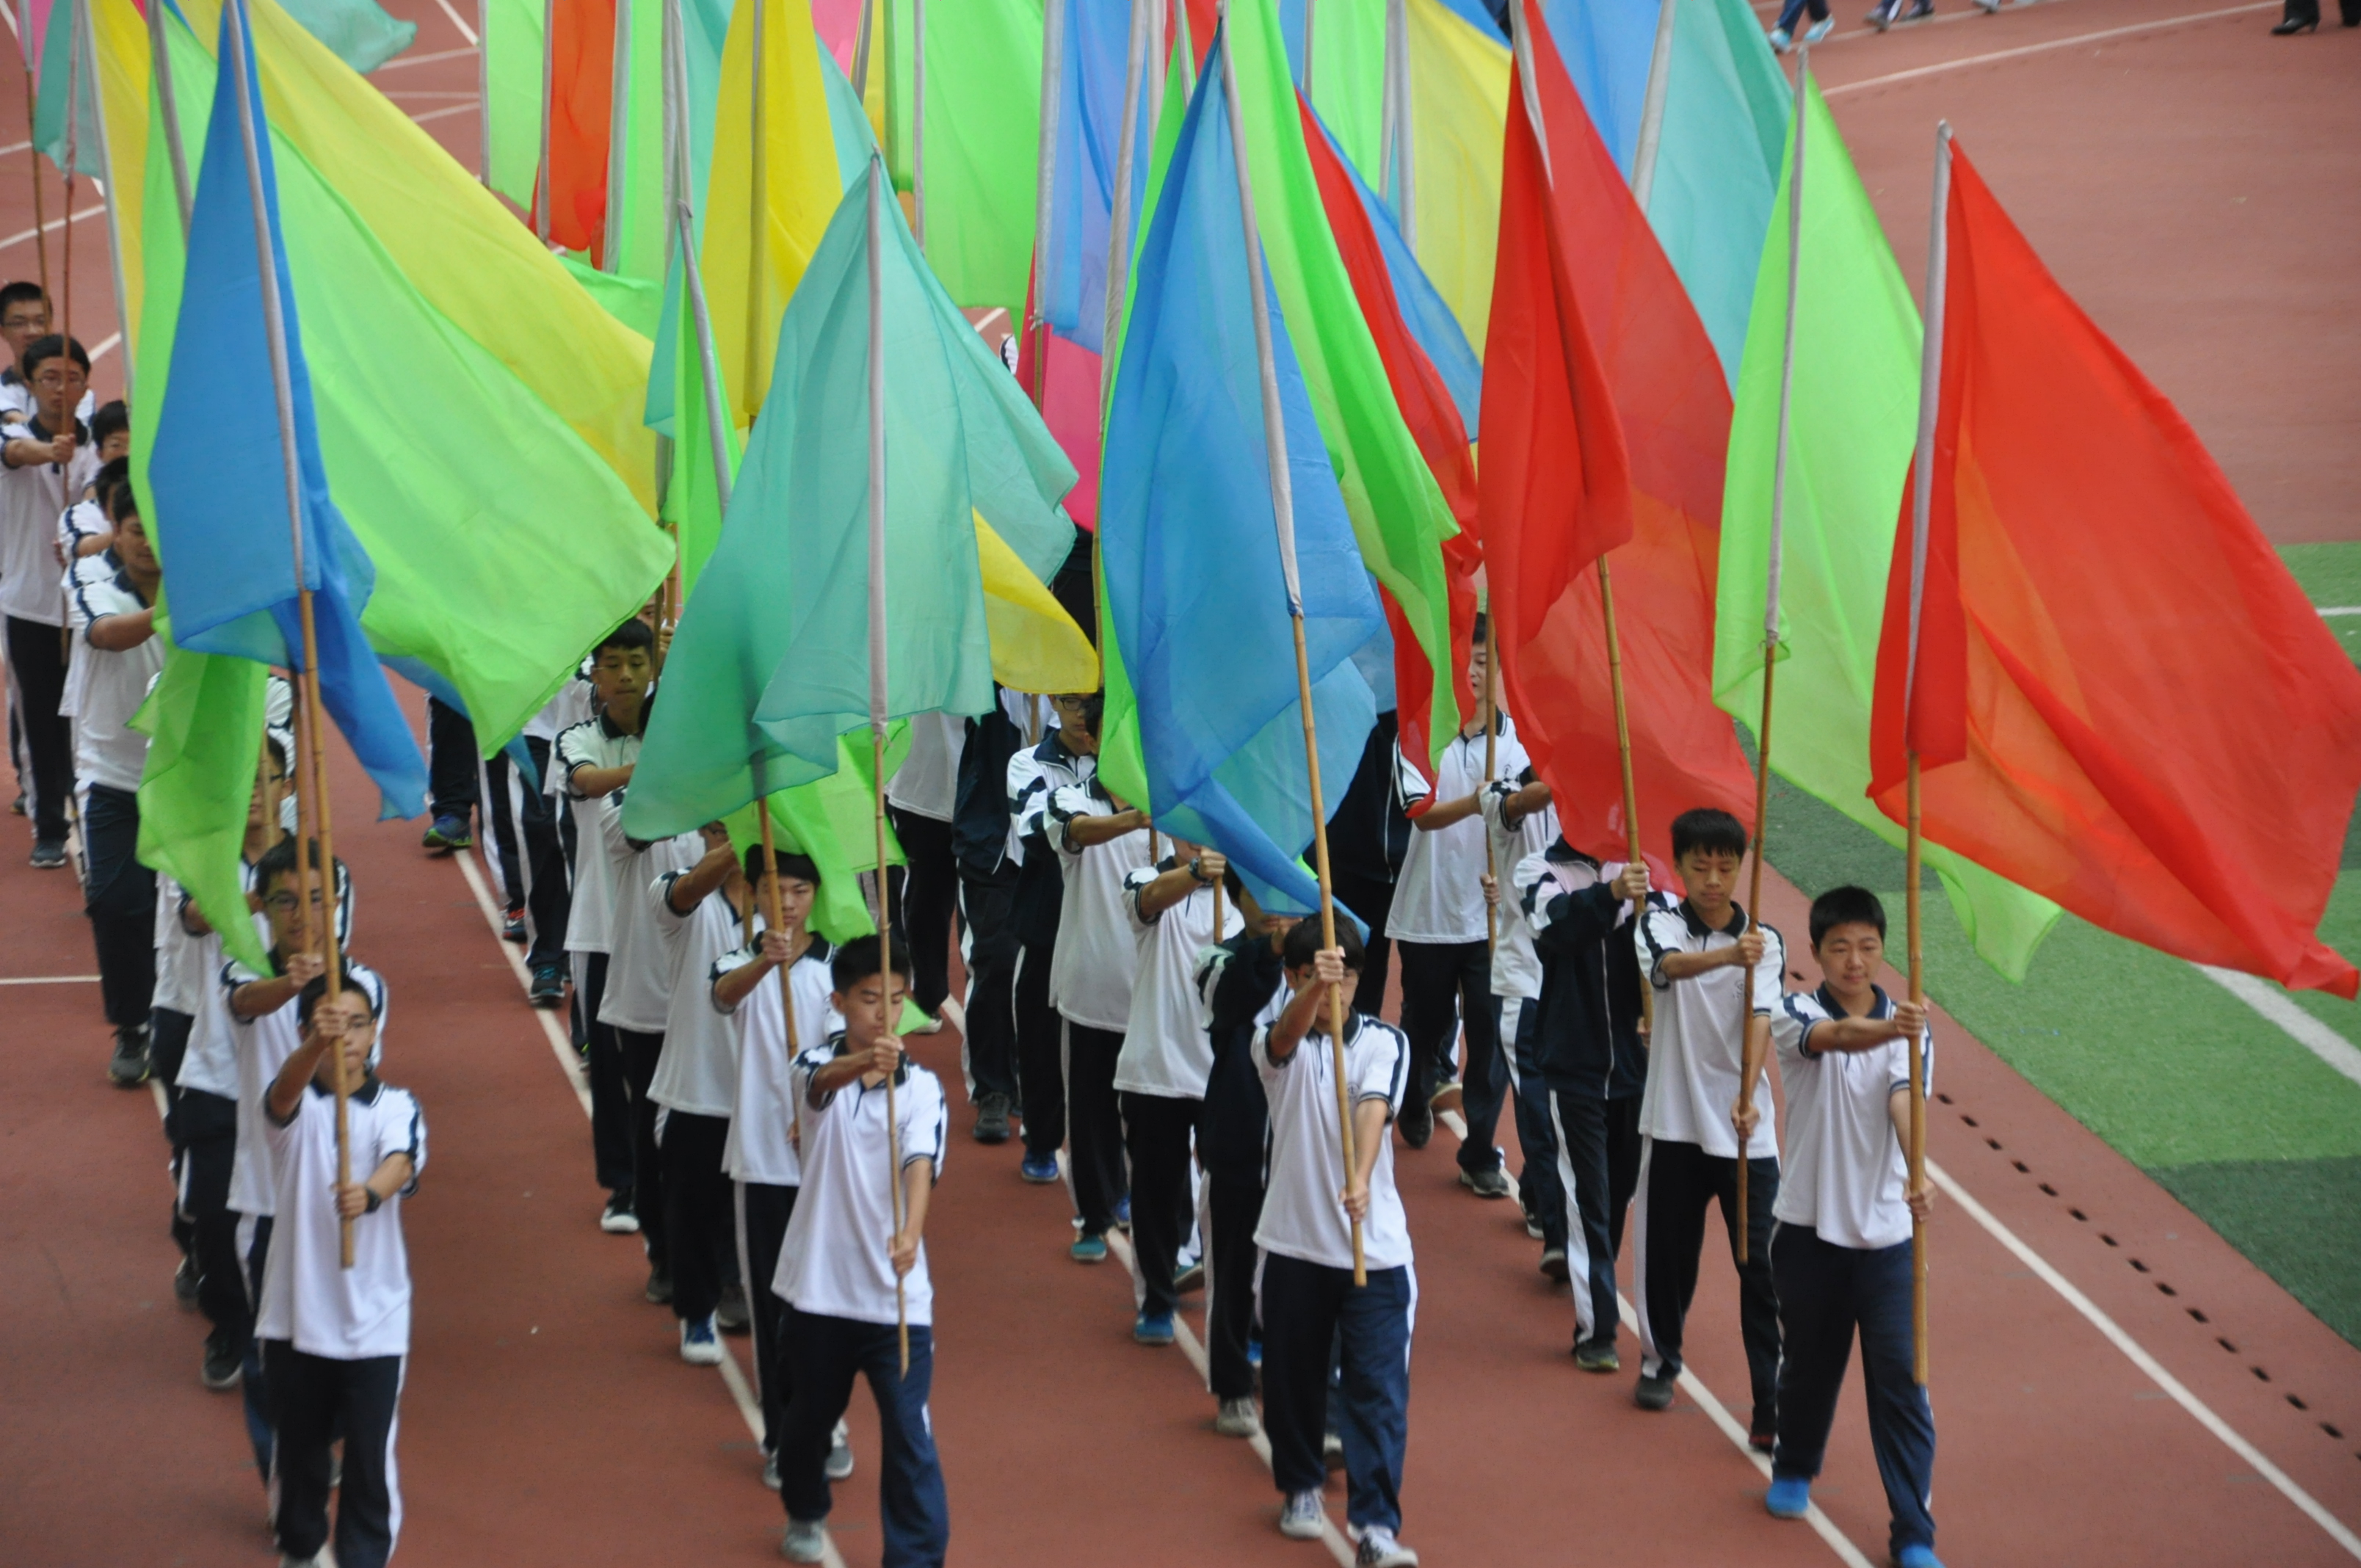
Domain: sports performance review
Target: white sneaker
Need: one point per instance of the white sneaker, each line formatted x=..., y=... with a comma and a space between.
x=700, y=1346
x=1303, y=1516
x=804, y=1541
x=1826, y=24
x=1238, y=1418
x=1379, y=1549
x=839, y=1454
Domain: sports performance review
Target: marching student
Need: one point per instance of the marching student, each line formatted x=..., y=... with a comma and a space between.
x=1437, y=921
x=844, y=1256
x=46, y=459
x=1068, y=754
x=1310, y=1304
x=762, y=1156
x=111, y=609
x=1368, y=839
x=24, y=319
x=1100, y=841
x=1841, y=1252
x=921, y=799
x=528, y=852
x=1244, y=986
x=591, y=760
x=1697, y=949
x=264, y=1033
x=334, y=1339
x=699, y=914
x=1159, y=1074
x=87, y=526
x=1519, y=821
x=990, y=861
x=1591, y=1070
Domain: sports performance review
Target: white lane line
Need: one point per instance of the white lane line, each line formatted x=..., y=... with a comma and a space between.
x=750, y=1408
x=459, y=22
x=1339, y=1548
x=430, y=93
x=52, y=979
x=1718, y=1412
x=2023, y=50
x=445, y=114
x=15, y=148
x=2280, y=1009
x=2325, y=609
x=408, y=60
x=106, y=346
x=51, y=226
x=2148, y=1365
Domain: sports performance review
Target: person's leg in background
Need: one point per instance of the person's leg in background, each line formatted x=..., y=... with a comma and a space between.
x=1233, y=1210
x=698, y=1212
x=1758, y=1293
x=1156, y=1129
x=209, y=1132
x=1484, y=1076
x=119, y=896
x=611, y=1096
x=38, y=663
x=497, y=791
x=764, y=1212
x=928, y=894
x=640, y=1053
x=1040, y=1064
x=1517, y=1022
x=988, y=1040
x=1430, y=1016
x=450, y=776
x=1094, y=1126
x=548, y=897
x=1624, y=1146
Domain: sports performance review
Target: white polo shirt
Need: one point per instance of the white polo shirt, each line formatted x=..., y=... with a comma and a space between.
x=639, y=965
x=1165, y=1051
x=309, y=1298
x=32, y=497
x=928, y=781
x=1090, y=974
x=762, y=1143
x=113, y=682
x=1516, y=969
x=698, y=1070
x=837, y=1259
x=182, y=972
x=1693, y=1053
x=1844, y=1174
x=210, y=1066
x=1303, y=1216
x=82, y=521
x=263, y=1045
x=1439, y=897
x=597, y=861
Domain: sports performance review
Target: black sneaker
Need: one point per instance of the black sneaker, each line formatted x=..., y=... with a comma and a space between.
x=446, y=834
x=730, y=1313
x=1598, y=1355
x=512, y=927
x=47, y=856
x=128, y=1067
x=184, y=1284
x=1493, y=1183
x=620, y=1219
x=1553, y=1264
x=1653, y=1393
x=548, y=987
x=222, y=1370
x=1417, y=1124
x=992, y=1119
x=659, y=1291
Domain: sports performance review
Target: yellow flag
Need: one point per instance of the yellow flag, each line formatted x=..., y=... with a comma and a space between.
x=1036, y=646
x=789, y=176
x=119, y=53
x=1459, y=117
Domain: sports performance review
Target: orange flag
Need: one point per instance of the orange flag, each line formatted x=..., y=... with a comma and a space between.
x=581, y=75
x=2122, y=699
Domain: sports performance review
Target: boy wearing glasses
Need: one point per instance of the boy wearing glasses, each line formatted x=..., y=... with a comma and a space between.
x=46, y=460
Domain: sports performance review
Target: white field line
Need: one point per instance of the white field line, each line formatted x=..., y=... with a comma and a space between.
x=51, y=226
x=444, y=112
x=2023, y=50
x=750, y=1408
x=410, y=60
x=52, y=979
x=459, y=22
x=2336, y=609
x=2302, y=1026
x=105, y=346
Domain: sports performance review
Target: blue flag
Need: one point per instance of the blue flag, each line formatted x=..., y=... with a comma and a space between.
x=1073, y=252
x=219, y=468
x=1190, y=551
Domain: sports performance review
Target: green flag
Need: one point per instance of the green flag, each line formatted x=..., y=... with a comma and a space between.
x=771, y=661
x=834, y=821
x=984, y=131
x=1854, y=417
x=204, y=723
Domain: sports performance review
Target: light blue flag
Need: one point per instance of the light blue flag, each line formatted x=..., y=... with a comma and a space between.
x=1606, y=46
x=1726, y=109
x=219, y=470
x=1073, y=257
x=1189, y=549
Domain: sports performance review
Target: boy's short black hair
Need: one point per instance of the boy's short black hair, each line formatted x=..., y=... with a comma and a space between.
x=858, y=960
x=49, y=347
x=110, y=419
x=1846, y=907
x=1714, y=831
x=632, y=633
x=1301, y=943
x=800, y=867
x=1093, y=713
x=21, y=293
x=279, y=755
x=119, y=502
x=111, y=472
x=307, y=1001
x=279, y=860
x=1479, y=639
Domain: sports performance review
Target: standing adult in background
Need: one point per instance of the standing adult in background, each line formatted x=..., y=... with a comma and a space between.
x=920, y=798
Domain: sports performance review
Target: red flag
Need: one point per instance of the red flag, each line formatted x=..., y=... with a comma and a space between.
x=1603, y=425
x=1434, y=421
x=2123, y=700
x=581, y=77
x=1063, y=379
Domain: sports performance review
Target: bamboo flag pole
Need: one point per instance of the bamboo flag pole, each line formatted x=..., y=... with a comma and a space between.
x=1309, y=21
x=758, y=215
x=548, y=91
x=33, y=156
x=1750, y=1068
x=168, y=110
x=1930, y=395
x=88, y=29
x=1283, y=505
x=312, y=770
x=1652, y=108
x=878, y=694
x=1045, y=178
x=1491, y=767
x=1399, y=157
x=73, y=157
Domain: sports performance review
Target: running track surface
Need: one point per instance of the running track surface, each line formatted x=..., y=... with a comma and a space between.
x=547, y=1417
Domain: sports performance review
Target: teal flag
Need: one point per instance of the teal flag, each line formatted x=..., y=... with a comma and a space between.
x=771, y=661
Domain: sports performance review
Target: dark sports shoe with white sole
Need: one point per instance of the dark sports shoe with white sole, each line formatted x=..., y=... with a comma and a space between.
x=730, y=1312
x=992, y=1119
x=1653, y=1393
x=127, y=1069
x=548, y=987
x=222, y=1369
x=1493, y=1183
x=1598, y=1355
x=839, y=1454
x=619, y=1218
x=512, y=927
x=1553, y=1264
x=184, y=1284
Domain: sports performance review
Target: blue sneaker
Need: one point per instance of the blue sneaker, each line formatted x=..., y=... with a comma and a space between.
x=1087, y=1249
x=1780, y=40
x=448, y=833
x=700, y=1346
x=1122, y=1210
x=1038, y=1167
x=1916, y=1557
x=1152, y=1328
x=1790, y=1496
x=1254, y=1353
x=1825, y=26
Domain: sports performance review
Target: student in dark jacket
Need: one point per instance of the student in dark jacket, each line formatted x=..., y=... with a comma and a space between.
x=988, y=873
x=1594, y=1063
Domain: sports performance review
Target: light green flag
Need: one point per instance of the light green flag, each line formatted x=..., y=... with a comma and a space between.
x=203, y=720
x=771, y=665
x=513, y=84
x=1854, y=417
x=833, y=820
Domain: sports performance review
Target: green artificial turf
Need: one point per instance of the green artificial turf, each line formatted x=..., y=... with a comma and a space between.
x=2294, y=1218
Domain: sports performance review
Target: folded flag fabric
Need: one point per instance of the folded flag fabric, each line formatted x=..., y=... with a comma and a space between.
x=1190, y=556
x=2119, y=696
x=204, y=722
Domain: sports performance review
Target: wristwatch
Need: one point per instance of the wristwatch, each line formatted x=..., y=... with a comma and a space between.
x=373, y=1200
x=1197, y=869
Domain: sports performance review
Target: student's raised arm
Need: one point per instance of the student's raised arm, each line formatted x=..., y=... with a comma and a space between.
x=732, y=986
x=260, y=998
x=1328, y=969
x=690, y=887
x=121, y=631
x=1846, y=1034
x=1171, y=887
